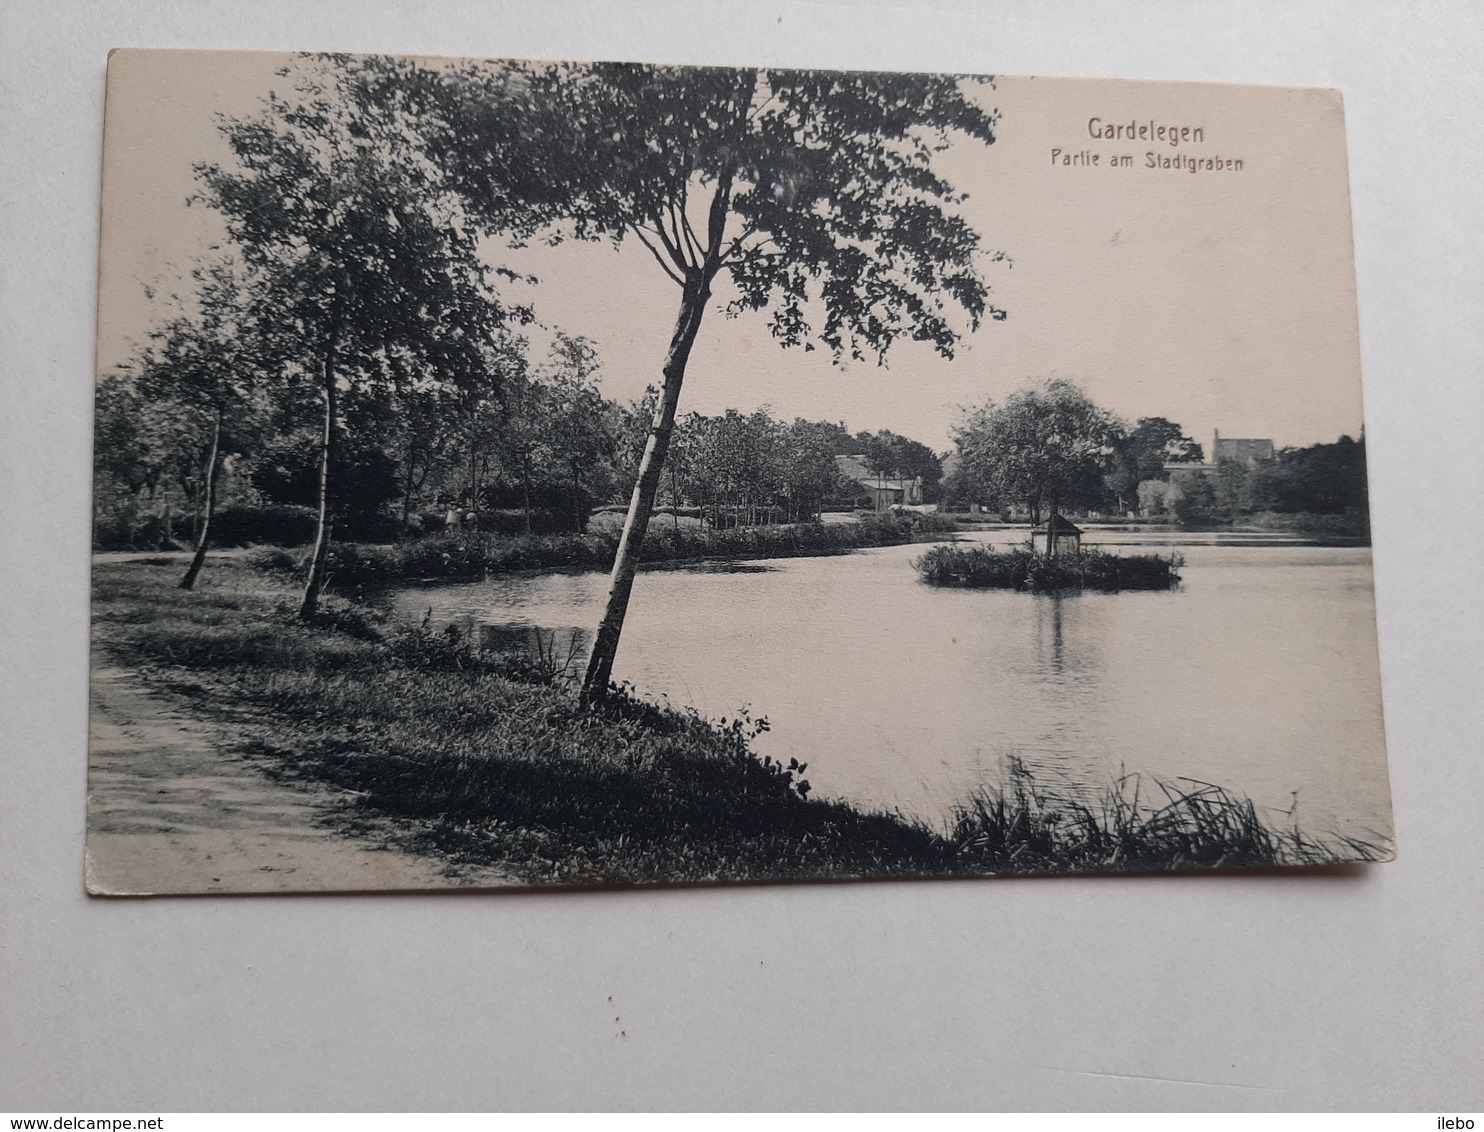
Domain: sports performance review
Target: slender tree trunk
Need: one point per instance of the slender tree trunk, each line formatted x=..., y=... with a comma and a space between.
x=641, y=505
x=525, y=488
x=316, y=580
x=407, y=495
x=204, y=540
x=474, y=459
x=195, y=497
x=576, y=499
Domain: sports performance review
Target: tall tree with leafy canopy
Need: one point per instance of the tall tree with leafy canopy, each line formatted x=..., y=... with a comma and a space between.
x=356, y=243
x=207, y=365
x=810, y=474
x=1141, y=454
x=1046, y=446
x=813, y=192
x=577, y=435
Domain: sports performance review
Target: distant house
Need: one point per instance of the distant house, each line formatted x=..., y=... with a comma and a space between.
x=885, y=491
x=1245, y=451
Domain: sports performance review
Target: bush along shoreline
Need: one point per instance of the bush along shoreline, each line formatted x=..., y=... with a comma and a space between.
x=983, y=567
x=477, y=554
x=484, y=757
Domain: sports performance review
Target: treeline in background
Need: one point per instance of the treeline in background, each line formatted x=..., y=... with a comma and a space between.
x=542, y=450
x=1048, y=449
x=538, y=451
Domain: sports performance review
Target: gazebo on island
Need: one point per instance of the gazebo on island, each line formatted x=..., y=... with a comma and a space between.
x=1065, y=537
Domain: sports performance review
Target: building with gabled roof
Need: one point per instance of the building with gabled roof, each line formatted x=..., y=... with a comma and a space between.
x=1247, y=451
x=885, y=491
x=1243, y=451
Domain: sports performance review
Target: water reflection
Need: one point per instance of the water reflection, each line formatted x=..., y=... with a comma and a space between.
x=568, y=645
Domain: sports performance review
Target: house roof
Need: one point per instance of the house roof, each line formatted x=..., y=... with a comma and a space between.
x=856, y=468
x=1243, y=449
x=1061, y=525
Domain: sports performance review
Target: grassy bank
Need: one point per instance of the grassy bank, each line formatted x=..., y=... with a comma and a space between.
x=486, y=757
x=476, y=554
x=983, y=567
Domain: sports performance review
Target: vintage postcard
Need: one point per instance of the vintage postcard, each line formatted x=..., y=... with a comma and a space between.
x=525, y=473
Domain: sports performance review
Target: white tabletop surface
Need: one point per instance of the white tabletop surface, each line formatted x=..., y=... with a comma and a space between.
x=1267, y=992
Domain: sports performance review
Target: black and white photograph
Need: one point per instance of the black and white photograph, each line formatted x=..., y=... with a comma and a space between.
x=520, y=473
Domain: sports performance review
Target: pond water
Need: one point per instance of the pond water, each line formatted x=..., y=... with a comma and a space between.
x=1259, y=673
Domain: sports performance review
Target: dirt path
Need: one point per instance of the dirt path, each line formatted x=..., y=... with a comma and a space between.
x=170, y=811
x=181, y=556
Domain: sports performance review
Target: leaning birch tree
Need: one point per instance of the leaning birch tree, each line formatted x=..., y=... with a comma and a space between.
x=206, y=365
x=813, y=193
x=355, y=243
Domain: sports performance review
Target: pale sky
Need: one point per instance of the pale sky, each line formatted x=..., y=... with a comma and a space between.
x=1217, y=299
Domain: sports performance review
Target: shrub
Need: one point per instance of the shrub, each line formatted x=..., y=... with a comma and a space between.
x=273, y=524
x=929, y=522
x=982, y=567
x=123, y=529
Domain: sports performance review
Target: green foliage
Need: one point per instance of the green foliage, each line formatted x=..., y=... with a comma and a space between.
x=1046, y=447
x=286, y=470
x=982, y=567
x=1326, y=479
x=811, y=188
x=271, y=524
x=1322, y=488
x=1139, y=456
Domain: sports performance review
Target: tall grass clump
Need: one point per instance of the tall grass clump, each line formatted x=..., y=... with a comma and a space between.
x=1132, y=824
x=983, y=567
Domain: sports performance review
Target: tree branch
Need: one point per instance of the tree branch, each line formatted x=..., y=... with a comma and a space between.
x=691, y=240
x=756, y=112
x=659, y=259
x=677, y=235
x=672, y=246
x=721, y=201
x=725, y=256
